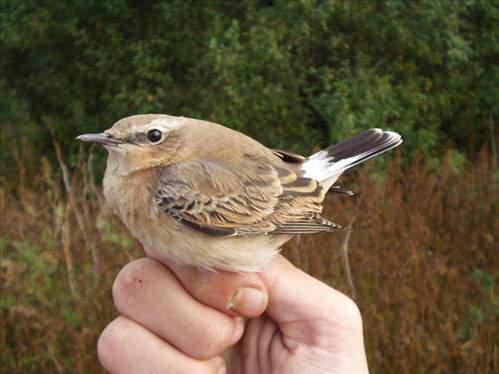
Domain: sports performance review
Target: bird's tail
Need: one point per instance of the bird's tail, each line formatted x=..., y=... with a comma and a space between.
x=327, y=165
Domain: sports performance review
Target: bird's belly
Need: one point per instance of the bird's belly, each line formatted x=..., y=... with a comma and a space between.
x=185, y=246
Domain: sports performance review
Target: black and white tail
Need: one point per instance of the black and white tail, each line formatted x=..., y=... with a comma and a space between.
x=327, y=165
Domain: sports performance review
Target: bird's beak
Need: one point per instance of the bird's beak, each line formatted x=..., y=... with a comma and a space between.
x=102, y=138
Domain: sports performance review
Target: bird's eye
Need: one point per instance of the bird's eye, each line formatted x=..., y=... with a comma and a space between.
x=154, y=136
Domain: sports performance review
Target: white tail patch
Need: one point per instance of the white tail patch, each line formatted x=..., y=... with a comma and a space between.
x=323, y=165
x=317, y=166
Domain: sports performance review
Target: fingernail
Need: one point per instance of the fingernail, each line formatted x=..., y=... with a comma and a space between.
x=247, y=301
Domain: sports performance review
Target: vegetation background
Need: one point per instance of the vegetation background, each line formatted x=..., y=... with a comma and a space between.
x=422, y=262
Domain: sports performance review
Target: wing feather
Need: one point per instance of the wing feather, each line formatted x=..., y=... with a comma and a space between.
x=218, y=198
x=251, y=197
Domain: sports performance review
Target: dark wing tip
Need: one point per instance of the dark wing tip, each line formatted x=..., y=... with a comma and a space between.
x=288, y=156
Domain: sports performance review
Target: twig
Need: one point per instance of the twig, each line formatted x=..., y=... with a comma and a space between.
x=71, y=200
x=493, y=136
x=19, y=166
x=67, y=185
x=91, y=178
x=345, y=250
x=346, y=261
x=66, y=248
x=56, y=362
x=86, y=212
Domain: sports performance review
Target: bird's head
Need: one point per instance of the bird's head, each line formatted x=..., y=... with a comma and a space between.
x=140, y=142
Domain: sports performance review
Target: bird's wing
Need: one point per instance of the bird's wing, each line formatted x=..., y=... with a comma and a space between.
x=299, y=207
x=254, y=196
x=288, y=156
x=218, y=199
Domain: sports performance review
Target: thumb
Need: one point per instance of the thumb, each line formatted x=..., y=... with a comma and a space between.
x=306, y=310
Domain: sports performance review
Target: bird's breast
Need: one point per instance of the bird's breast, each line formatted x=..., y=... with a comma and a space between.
x=131, y=199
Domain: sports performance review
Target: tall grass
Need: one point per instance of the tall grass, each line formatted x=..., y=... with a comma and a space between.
x=421, y=262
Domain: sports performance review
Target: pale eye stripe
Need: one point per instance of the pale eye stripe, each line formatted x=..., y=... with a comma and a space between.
x=164, y=124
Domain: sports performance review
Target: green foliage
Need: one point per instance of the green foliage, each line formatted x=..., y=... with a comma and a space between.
x=294, y=74
x=109, y=235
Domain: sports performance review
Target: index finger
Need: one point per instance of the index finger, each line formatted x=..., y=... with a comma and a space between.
x=237, y=294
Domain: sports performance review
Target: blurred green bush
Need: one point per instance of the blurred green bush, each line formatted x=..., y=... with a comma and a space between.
x=293, y=74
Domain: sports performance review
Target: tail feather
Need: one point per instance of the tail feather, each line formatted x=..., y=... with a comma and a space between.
x=327, y=165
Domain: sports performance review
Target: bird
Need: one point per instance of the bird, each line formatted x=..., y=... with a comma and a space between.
x=201, y=194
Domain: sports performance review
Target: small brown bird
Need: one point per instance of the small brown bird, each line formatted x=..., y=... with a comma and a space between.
x=201, y=194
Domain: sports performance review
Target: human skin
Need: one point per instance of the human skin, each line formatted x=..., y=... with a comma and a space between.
x=177, y=319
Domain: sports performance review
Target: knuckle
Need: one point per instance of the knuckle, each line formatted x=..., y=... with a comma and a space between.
x=212, y=341
x=129, y=281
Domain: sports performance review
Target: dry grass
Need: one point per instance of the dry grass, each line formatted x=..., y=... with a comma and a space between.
x=421, y=261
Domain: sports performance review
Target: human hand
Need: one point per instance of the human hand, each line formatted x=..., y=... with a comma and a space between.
x=177, y=319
